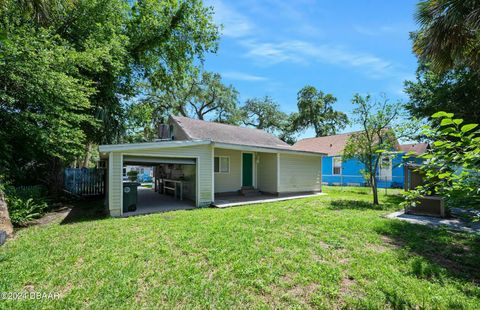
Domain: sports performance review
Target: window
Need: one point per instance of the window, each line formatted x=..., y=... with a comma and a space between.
x=385, y=168
x=221, y=164
x=337, y=165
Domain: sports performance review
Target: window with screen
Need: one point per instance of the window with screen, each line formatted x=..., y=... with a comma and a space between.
x=337, y=165
x=221, y=164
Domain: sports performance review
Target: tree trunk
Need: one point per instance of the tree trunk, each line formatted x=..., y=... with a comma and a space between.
x=373, y=180
x=88, y=154
x=5, y=223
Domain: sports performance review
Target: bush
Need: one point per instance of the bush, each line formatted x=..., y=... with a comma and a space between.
x=132, y=175
x=22, y=211
x=25, y=203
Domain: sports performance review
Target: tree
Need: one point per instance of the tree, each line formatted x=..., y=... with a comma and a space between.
x=451, y=167
x=456, y=90
x=315, y=109
x=263, y=114
x=449, y=33
x=376, y=138
x=202, y=96
x=69, y=66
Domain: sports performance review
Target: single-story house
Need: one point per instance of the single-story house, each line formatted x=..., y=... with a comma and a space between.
x=335, y=171
x=217, y=159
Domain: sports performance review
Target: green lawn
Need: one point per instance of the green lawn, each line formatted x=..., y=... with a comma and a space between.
x=332, y=251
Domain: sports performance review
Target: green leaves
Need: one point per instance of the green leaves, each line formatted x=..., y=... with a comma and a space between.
x=442, y=114
x=467, y=128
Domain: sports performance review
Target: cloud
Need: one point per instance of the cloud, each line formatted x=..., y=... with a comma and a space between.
x=304, y=52
x=235, y=75
x=235, y=25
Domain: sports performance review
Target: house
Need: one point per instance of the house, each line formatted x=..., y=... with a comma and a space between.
x=212, y=160
x=335, y=171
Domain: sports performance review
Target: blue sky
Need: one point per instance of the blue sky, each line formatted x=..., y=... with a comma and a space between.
x=275, y=47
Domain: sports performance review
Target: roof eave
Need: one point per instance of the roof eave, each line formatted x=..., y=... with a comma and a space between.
x=150, y=145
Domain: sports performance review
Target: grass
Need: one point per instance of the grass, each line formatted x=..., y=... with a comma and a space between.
x=332, y=251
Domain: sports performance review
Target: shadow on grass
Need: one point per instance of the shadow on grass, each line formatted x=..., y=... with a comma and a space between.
x=86, y=210
x=431, y=251
x=390, y=202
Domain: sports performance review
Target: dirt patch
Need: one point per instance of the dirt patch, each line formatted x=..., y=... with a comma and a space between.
x=346, y=285
x=392, y=242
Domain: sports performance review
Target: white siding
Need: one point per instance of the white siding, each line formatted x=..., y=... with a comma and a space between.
x=229, y=182
x=267, y=172
x=203, y=152
x=115, y=184
x=300, y=173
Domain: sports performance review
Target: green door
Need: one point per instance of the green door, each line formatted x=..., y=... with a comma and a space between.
x=247, y=170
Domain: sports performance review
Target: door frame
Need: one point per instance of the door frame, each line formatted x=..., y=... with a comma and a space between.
x=254, y=170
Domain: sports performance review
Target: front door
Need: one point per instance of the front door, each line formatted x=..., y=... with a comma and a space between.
x=247, y=169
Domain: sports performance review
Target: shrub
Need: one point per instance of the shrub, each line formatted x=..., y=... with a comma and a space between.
x=452, y=165
x=25, y=203
x=132, y=175
x=24, y=210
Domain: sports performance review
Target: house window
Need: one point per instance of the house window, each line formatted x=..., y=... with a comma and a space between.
x=385, y=168
x=337, y=165
x=221, y=164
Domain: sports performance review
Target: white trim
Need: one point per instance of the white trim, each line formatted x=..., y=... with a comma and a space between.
x=150, y=145
x=213, y=174
x=219, y=166
x=121, y=185
x=110, y=169
x=264, y=149
x=278, y=172
x=333, y=165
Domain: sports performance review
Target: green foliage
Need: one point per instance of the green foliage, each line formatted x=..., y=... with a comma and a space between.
x=315, y=109
x=376, y=138
x=449, y=33
x=25, y=204
x=456, y=90
x=69, y=66
x=452, y=165
x=132, y=175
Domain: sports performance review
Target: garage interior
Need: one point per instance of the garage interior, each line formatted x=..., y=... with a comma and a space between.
x=173, y=185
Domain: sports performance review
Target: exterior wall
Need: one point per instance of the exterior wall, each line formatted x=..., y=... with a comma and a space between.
x=351, y=174
x=300, y=173
x=115, y=187
x=267, y=172
x=203, y=153
x=229, y=182
x=178, y=132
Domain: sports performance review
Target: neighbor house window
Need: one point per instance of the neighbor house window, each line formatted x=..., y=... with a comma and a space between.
x=386, y=168
x=221, y=164
x=337, y=165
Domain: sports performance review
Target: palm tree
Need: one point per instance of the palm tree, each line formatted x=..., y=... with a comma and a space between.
x=449, y=33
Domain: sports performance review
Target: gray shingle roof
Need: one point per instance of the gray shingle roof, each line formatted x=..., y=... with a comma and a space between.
x=224, y=133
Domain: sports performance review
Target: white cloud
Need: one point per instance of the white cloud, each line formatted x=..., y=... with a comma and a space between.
x=235, y=75
x=234, y=24
x=303, y=52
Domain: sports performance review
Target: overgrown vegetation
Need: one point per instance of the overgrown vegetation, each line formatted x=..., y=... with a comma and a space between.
x=332, y=251
x=452, y=165
x=25, y=204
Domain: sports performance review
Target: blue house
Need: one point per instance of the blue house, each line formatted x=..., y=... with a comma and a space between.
x=335, y=171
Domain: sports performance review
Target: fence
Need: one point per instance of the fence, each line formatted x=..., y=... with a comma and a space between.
x=85, y=182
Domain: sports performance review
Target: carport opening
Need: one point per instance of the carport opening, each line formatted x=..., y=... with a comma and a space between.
x=164, y=184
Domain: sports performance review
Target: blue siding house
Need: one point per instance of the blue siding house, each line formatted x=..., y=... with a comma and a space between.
x=349, y=173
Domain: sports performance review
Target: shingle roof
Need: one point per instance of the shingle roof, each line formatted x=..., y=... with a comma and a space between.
x=224, y=133
x=334, y=145
x=331, y=145
x=418, y=148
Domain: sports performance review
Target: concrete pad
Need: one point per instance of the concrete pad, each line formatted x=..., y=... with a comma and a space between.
x=449, y=223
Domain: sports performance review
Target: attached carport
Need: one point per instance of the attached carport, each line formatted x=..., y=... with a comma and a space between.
x=192, y=158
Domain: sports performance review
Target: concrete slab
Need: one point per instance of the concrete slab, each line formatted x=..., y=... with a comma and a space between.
x=449, y=223
x=237, y=200
x=150, y=201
